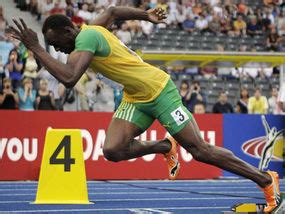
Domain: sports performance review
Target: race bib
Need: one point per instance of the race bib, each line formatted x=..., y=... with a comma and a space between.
x=179, y=116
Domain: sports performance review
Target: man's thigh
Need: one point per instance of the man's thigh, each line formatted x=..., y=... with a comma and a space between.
x=127, y=123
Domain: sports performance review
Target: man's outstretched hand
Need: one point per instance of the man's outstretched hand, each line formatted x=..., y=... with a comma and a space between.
x=26, y=35
x=156, y=15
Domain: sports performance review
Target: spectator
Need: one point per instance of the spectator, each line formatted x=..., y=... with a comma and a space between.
x=242, y=8
x=81, y=91
x=74, y=99
x=177, y=14
x=280, y=22
x=33, y=7
x=202, y=23
x=239, y=26
x=265, y=73
x=124, y=34
x=8, y=98
x=199, y=108
x=222, y=106
x=71, y=8
x=52, y=86
x=104, y=98
x=273, y=40
x=243, y=102
x=215, y=25
x=84, y=13
x=147, y=28
x=69, y=98
x=257, y=104
x=185, y=92
x=44, y=98
x=226, y=26
x=57, y=9
x=5, y=48
x=218, y=9
x=135, y=27
x=208, y=72
x=268, y=15
x=197, y=9
x=45, y=7
x=273, y=102
x=27, y=96
x=14, y=67
x=195, y=95
x=266, y=22
x=189, y=24
x=254, y=28
x=31, y=66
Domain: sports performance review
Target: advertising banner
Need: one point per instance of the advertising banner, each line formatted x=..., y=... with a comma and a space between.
x=22, y=137
x=246, y=136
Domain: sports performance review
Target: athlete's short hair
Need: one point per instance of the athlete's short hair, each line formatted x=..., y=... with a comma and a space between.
x=56, y=22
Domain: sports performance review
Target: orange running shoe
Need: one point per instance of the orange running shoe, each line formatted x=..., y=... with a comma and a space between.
x=272, y=193
x=172, y=159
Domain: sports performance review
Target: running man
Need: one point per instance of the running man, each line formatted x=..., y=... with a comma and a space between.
x=149, y=94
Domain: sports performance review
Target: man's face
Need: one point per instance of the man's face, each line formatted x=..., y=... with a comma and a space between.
x=253, y=21
x=64, y=41
x=223, y=98
x=199, y=109
x=257, y=94
x=274, y=92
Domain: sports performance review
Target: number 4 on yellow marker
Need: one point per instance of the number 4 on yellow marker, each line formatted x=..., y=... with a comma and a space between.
x=62, y=175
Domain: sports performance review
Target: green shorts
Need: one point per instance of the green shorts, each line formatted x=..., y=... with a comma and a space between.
x=167, y=108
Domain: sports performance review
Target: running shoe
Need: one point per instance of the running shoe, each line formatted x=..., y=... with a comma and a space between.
x=172, y=159
x=272, y=193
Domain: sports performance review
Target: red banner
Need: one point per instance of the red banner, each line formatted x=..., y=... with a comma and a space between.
x=22, y=139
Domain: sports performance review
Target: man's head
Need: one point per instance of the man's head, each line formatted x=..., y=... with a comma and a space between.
x=59, y=32
x=274, y=92
x=253, y=20
x=196, y=85
x=124, y=26
x=257, y=93
x=239, y=18
x=43, y=84
x=199, y=108
x=85, y=7
x=223, y=98
x=184, y=85
x=7, y=83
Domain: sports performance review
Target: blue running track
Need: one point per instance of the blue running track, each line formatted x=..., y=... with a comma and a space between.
x=144, y=197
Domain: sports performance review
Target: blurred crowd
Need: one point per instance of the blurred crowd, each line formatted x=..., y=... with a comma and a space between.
x=230, y=17
x=25, y=85
x=195, y=99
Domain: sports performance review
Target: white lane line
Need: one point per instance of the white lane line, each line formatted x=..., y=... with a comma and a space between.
x=140, y=193
x=114, y=209
x=146, y=199
x=148, y=181
x=145, y=210
x=136, y=188
x=146, y=185
x=125, y=185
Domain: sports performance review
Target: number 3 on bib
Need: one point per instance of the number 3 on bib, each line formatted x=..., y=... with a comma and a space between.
x=179, y=116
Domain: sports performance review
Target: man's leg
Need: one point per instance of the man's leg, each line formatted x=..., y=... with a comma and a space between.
x=190, y=139
x=121, y=145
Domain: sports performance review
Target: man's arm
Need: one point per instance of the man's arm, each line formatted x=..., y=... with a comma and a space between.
x=68, y=73
x=107, y=18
